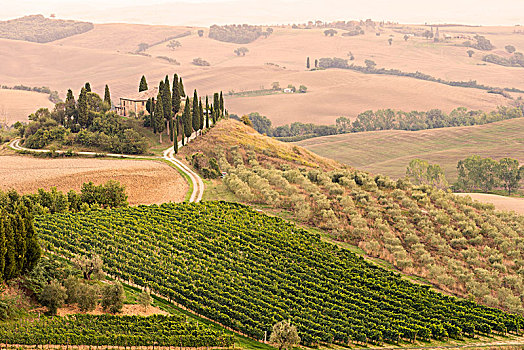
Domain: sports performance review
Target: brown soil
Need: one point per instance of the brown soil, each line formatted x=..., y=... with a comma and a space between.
x=128, y=309
x=147, y=182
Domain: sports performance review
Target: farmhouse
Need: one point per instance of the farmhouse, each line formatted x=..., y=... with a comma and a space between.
x=136, y=103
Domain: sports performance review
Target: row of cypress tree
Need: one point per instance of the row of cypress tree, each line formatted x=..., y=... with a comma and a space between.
x=19, y=248
x=165, y=110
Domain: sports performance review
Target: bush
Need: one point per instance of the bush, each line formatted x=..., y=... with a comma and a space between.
x=113, y=297
x=200, y=62
x=53, y=296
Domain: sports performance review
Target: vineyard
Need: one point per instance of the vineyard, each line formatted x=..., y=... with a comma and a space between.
x=248, y=271
x=113, y=330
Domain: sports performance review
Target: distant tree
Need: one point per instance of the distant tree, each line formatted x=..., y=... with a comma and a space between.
x=316, y=63
x=181, y=87
x=302, y=89
x=201, y=115
x=142, y=47
x=475, y=172
x=200, y=33
x=390, y=41
x=89, y=266
x=158, y=116
x=53, y=296
x=510, y=173
x=167, y=102
x=216, y=106
x=175, y=96
x=428, y=34
x=87, y=86
x=307, y=63
x=470, y=53
x=406, y=37
x=173, y=44
x=199, y=61
x=245, y=119
x=292, y=87
x=83, y=110
x=107, y=96
x=275, y=85
x=207, y=112
x=87, y=296
x=145, y=300
x=370, y=64
x=175, y=137
x=351, y=57
x=187, y=119
x=421, y=172
x=330, y=32
x=510, y=48
x=143, y=84
x=196, y=112
x=260, y=123
x=241, y=51
x=284, y=335
x=221, y=101
x=113, y=295
x=70, y=108
x=150, y=107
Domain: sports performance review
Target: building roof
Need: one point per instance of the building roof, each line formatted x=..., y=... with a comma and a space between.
x=142, y=96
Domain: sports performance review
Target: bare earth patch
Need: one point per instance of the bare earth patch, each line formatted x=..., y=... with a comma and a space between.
x=500, y=202
x=147, y=182
x=128, y=309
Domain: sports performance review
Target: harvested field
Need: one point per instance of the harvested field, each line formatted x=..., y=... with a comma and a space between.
x=16, y=105
x=147, y=182
x=500, y=202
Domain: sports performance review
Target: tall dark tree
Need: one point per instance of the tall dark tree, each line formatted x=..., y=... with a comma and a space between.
x=196, y=113
x=143, y=84
x=307, y=63
x=83, y=110
x=150, y=106
x=316, y=63
x=158, y=116
x=182, y=133
x=216, y=103
x=33, y=250
x=10, y=254
x=175, y=96
x=175, y=140
x=88, y=87
x=207, y=112
x=181, y=88
x=187, y=119
x=166, y=101
x=221, y=104
x=201, y=115
x=70, y=108
x=107, y=96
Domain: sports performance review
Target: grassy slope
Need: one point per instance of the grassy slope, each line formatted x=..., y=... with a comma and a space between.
x=389, y=152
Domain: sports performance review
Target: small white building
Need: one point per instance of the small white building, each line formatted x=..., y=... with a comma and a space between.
x=288, y=91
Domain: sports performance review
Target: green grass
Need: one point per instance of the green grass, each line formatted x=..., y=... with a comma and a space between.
x=389, y=152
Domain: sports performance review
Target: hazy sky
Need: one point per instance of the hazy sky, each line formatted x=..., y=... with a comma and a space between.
x=207, y=12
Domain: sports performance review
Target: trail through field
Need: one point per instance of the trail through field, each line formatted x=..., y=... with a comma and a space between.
x=196, y=180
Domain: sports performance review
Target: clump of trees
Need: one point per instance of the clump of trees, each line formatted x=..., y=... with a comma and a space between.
x=37, y=28
x=330, y=32
x=53, y=94
x=241, y=51
x=516, y=60
x=239, y=34
x=200, y=62
x=420, y=172
x=486, y=174
x=173, y=44
x=480, y=43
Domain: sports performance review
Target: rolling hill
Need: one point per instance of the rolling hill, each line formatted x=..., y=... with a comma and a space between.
x=16, y=105
x=389, y=152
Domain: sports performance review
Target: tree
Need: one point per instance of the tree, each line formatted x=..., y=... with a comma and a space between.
x=87, y=296
x=370, y=64
x=145, y=299
x=201, y=115
x=53, y=296
x=107, y=96
x=87, y=86
x=196, y=113
x=302, y=89
x=221, y=101
x=207, y=112
x=187, y=119
x=83, y=111
x=175, y=138
x=167, y=101
x=158, y=115
x=307, y=63
x=89, y=265
x=113, y=297
x=510, y=48
x=423, y=173
x=406, y=37
x=175, y=96
x=475, y=172
x=241, y=51
x=70, y=108
x=470, y=53
x=510, y=173
x=330, y=32
x=390, y=41
x=181, y=88
x=173, y=44
x=275, y=86
x=316, y=63
x=245, y=119
x=143, y=84
x=428, y=34
x=284, y=334
x=200, y=33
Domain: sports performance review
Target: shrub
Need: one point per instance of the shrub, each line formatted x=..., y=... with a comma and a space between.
x=53, y=296
x=113, y=297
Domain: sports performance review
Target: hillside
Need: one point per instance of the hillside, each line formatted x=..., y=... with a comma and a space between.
x=458, y=245
x=16, y=105
x=281, y=57
x=248, y=271
x=39, y=29
x=389, y=152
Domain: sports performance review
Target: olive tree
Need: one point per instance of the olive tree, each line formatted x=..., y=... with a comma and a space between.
x=113, y=297
x=53, y=296
x=284, y=334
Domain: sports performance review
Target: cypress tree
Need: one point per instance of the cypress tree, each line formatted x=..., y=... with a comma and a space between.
x=175, y=96
x=175, y=141
x=196, y=113
x=201, y=115
x=33, y=250
x=107, y=96
x=10, y=263
x=20, y=244
x=182, y=133
x=187, y=119
x=316, y=63
x=83, y=112
x=181, y=88
x=167, y=106
x=171, y=125
x=143, y=84
x=207, y=113
x=221, y=104
x=88, y=87
x=70, y=108
x=158, y=116
x=216, y=102
x=307, y=63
